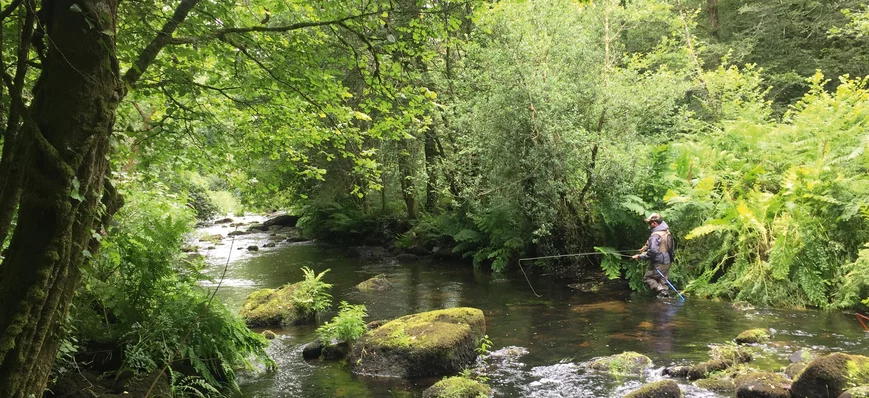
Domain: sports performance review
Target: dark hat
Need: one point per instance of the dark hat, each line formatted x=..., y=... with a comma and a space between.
x=653, y=217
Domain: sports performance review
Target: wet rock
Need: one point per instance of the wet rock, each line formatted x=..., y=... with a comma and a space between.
x=677, y=371
x=856, y=392
x=211, y=248
x=730, y=352
x=284, y=220
x=802, y=356
x=762, y=385
x=238, y=233
x=830, y=375
x=253, y=248
x=269, y=335
x=660, y=389
x=188, y=249
x=312, y=350
x=294, y=239
x=753, y=336
x=277, y=238
x=236, y=224
x=239, y=248
x=223, y=221
x=425, y=344
x=269, y=307
x=334, y=352
x=211, y=238
x=792, y=370
x=270, y=244
x=367, y=252
x=702, y=370
x=378, y=283
x=457, y=387
x=405, y=258
x=723, y=386
x=622, y=364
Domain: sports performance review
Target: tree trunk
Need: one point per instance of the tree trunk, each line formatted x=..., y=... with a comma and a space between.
x=405, y=173
x=712, y=10
x=62, y=198
x=431, y=158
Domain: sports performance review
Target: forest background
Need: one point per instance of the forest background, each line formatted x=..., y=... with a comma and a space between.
x=494, y=130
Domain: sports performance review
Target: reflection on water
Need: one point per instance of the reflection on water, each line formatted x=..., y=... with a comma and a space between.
x=547, y=339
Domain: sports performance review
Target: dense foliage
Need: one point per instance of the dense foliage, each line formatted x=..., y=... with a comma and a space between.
x=346, y=327
x=140, y=293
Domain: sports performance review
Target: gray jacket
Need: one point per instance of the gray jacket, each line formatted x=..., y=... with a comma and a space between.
x=657, y=250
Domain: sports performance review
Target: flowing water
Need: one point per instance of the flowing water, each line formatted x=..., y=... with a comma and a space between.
x=540, y=343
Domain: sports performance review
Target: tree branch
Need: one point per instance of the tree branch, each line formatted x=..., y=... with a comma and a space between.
x=149, y=53
x=220, y=33
x=10, y=9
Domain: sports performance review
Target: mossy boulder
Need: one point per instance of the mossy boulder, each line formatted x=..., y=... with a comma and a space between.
x=831, y=375
x=622, y=364
x=703, y=369
x=430, y=343
x=659, y=389
x=378, y=283
x=216, y=238
x=762, y=385
x=271, y=307
x=269, y=335
x=722, y=386
x=856, y=392
x=730, y=352
x=753, y=336
x=457, y=387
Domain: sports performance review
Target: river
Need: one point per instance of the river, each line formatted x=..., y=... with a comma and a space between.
x=540, y=343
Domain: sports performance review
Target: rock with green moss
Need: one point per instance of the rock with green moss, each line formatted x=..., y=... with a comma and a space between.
x=271, y=307
x=794, y=369
x=430, y=343
x=722, y=386
x=378, y=283
x=831, y=375
x=457, y=387
x=856, y=392
x=753, y=336
x=626, y=363
x=703, y=369
x=269, y=335
x=660, y=389
x=762, y=385
x=730, y=352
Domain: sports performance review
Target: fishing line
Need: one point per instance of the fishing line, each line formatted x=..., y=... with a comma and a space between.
x=615, y=253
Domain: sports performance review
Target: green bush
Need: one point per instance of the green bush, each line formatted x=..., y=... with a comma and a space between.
x=346, y=327
x=141, y=294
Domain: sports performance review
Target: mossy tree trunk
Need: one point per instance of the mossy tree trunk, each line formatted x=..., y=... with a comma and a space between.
x=67, y=126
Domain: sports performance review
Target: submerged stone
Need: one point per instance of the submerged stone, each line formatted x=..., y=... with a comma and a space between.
x=457, y=387
x=831, y=375
x=270, y=244
x=378, y=283
x=753, y=336
x=622, y=364
x=762, y=385
x=253, y=248
x=425, y=344
x=659, y=389
x=269, y=307
x=312, y=350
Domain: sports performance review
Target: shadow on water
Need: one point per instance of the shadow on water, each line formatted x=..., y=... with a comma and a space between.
x=543, y=341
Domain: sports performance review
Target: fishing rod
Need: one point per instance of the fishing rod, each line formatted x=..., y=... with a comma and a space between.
x=612, y=253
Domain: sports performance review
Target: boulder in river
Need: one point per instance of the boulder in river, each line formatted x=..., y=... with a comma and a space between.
x=721, y=386
x=626, y=363
x=269, y=307
x=856, y=392
x=312, y=350
x=831, y=375
x=426, y=344
x=270, y=244
x=762, y=385
x=753, y=336
x=457, y=387
x=367, y=252
x=406, y=258
x=659, y=389
x=378, y=283
x=285, y=220
x=237, y=232
x=269, y=335
x=223, y=221
x=252, y=248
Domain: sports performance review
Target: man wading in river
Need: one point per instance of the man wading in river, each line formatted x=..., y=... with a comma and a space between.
x=659, y=251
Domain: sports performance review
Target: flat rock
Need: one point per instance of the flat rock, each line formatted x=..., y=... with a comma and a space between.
x=762, y=385
x=660, y=389
x=626, y=363
x=457, y=387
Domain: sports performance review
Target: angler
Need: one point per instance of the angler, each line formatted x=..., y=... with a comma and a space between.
x=658, y=250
